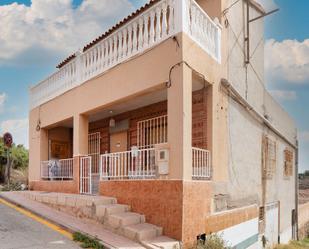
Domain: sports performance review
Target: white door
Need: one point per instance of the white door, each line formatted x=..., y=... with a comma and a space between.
x=272, y=223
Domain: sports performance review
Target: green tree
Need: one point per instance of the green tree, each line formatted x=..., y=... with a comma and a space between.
x=19, y=157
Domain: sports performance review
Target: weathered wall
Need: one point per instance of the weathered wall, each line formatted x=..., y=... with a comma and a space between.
x=245, y=185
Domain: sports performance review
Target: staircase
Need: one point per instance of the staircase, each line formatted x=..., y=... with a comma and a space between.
x=115, y=217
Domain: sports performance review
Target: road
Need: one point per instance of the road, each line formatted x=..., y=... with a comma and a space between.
x=18, y=231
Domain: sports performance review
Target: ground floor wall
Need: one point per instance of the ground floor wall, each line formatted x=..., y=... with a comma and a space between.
x=55, y=186
x=179, y=207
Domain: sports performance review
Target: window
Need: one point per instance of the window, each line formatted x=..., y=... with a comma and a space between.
x=288, y=162
x=269, y=149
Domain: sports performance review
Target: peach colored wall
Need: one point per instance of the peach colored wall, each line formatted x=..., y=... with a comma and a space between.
x=159, y=200
x=211, y=7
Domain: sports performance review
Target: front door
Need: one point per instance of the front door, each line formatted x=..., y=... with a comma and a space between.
x=119, y=142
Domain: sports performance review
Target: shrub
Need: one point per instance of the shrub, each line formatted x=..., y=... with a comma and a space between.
x=87, y=242
x=213, y=241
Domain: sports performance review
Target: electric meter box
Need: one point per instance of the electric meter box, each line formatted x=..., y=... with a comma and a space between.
x=162, y=159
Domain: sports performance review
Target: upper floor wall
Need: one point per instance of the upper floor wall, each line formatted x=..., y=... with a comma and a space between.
x=149, y=26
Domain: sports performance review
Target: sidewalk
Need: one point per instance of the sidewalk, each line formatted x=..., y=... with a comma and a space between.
x=71, y=223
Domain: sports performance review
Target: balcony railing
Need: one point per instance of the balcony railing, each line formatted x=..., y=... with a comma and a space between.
x=134, y=164
x=158, y=23
x=57, y=169
x=201, y=164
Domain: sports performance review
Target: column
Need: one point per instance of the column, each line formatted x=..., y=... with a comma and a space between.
x=180, y=123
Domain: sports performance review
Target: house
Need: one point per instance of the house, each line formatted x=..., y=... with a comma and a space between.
x=168, y=112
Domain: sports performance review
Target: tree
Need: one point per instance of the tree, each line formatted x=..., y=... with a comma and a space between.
x=19, y=158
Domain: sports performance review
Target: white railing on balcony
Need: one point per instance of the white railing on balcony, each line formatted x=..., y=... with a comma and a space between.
x=154, y=25
x=201, y=164
x=57, y=169
x=206, y=32
x=152, y=131
x=134, y=164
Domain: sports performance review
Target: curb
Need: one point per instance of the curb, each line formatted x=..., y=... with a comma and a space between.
x=66, y=228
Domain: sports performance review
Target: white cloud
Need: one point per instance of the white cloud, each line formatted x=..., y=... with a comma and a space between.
x=3, y=98
x=55, y=25
x=287, y=61
x=18, y=128
x=283, y=94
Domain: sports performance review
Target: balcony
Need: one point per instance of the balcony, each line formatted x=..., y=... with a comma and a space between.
x=149, y=27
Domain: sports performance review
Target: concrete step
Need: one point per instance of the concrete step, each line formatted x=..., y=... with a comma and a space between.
x=161, y=242
x=103, y=211
x=121, y=220
x=141, y=232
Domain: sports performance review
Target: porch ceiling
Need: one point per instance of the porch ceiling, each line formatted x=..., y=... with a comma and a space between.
x=137, y=102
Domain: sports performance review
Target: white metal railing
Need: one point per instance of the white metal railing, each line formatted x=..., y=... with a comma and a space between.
x=57, y=169
x=134, y=164
x=156, y=24
x=152, y=131
x=86, y=175
x=201, y=164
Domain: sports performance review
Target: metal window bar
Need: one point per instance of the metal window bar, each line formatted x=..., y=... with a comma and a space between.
x=201, y=164
x=152, y=131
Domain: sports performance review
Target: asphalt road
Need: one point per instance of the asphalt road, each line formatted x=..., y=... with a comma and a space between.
x=18, y=231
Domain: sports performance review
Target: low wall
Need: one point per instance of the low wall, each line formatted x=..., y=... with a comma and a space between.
x=55, y=186
x=238, y=227
x=303, y=220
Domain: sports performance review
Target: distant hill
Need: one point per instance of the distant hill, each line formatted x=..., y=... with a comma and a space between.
x=304, y=190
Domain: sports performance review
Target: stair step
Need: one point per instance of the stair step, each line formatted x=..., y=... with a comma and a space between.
x=125, y=219
x=161, y=242
x=141, y=232
x=106, y=210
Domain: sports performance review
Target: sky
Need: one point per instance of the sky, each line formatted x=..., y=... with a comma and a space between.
x=35, y=35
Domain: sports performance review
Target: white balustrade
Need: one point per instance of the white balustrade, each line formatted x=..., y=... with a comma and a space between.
x=57, y=169
x=134, y=164
x=204, y=31
x=154, y=25
x=201, y=164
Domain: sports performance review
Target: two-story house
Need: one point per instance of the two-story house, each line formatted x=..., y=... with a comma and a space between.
x=168, y=112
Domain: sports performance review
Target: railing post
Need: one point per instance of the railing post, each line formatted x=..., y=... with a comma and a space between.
x=79, y=67
x=182, y=16
x=218, y=40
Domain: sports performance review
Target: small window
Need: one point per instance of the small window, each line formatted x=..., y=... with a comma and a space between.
x=288, y=162
x=269, y=157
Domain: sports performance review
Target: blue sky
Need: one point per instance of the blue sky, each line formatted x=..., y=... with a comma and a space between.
x=28, y=54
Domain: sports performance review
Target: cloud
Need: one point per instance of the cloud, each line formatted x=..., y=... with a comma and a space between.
x=55, y=25
x=18, y=128
x=3, y=98
x=283, y=95
x=287, y=61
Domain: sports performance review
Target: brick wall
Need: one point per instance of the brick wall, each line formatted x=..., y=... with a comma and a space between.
x=199, y=121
